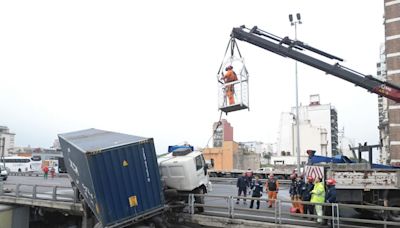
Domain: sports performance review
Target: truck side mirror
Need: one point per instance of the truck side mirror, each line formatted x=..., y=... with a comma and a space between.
x=205, y=169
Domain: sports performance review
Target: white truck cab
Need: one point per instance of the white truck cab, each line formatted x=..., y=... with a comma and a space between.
x=185, y=171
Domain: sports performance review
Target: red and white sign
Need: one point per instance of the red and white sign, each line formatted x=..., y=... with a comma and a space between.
x=314, y=171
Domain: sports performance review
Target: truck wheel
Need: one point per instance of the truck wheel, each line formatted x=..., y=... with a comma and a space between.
x=364, y=213
x=394, y=215
x=199, y=199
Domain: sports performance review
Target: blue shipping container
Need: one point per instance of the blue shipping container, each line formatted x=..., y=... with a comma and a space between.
x=117, y=174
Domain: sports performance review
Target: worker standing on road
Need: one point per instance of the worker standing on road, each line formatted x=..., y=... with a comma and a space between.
x=272, y=187
x=330, y=196
x=318, y=196
x=45, y=172
x=230, y=76
x=242, y=185
x=306, y=195
x=293, y=189
x=249, y=179
x=299, y=190
x=257, y=188
x=52, y=172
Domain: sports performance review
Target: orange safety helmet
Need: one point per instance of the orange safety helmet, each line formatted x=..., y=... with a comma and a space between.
x=293, y=210
x=331, y=181
x=229, y=67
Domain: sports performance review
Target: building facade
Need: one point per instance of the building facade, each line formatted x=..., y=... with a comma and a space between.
x=392, y=56
x=318, y=131
x=228, y=155
x=265, y=150
x=323, y=116
x=383, y=110
x=8, y=138
x=232, y=156
x=222, y=131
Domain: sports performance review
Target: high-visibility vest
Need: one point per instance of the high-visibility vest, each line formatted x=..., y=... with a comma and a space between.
x=318, y=193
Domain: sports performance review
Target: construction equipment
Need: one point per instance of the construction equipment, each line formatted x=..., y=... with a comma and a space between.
x=295, y=49
x=360, y=183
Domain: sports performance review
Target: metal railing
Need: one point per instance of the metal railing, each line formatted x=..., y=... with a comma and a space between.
x=36, y=174
x=42, y=192
x=278, y=216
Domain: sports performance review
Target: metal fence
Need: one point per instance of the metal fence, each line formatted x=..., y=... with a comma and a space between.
x=277, y=215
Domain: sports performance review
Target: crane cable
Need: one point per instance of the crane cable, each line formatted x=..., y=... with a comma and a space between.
x=222, y=63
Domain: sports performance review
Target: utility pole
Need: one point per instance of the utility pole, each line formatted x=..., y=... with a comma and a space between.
x=3, y=144
x=294, y=23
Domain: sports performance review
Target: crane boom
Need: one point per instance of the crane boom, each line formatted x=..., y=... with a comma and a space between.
x=293, y=49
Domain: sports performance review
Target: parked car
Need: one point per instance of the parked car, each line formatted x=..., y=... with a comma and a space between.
x=4, y=173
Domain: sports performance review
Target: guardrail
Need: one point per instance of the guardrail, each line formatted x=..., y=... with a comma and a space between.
x=48, y=192
x=35, y=174
x=57, y=197
x=278, y=216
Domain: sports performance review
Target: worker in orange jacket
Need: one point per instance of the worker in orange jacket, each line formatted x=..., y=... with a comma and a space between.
x=230, y=76
x=272, y=187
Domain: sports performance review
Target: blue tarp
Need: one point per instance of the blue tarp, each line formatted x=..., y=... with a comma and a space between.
x=343, y=159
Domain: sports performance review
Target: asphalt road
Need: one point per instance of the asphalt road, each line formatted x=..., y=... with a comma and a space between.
x=242, y=210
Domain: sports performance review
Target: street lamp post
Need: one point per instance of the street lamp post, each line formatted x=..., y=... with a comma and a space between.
x=294, y=23
x=2, y=147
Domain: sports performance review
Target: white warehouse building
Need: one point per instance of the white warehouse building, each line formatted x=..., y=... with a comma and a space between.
x=318, y=131
x=262, y=149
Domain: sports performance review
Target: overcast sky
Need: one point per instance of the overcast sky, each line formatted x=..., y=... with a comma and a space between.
x=148, y=68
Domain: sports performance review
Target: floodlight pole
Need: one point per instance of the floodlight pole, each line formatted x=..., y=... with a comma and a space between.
x=3, y=144
x=294, y=23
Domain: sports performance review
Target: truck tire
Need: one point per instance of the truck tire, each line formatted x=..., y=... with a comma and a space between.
x=394, y=215
x=365, y=213
x=199, y=199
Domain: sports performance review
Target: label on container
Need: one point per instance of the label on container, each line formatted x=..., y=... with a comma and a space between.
x=145, y=165
x=97, y=209
x=125, y=163
x=133, y=201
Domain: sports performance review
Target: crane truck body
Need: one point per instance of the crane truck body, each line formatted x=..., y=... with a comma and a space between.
x=359, y=183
